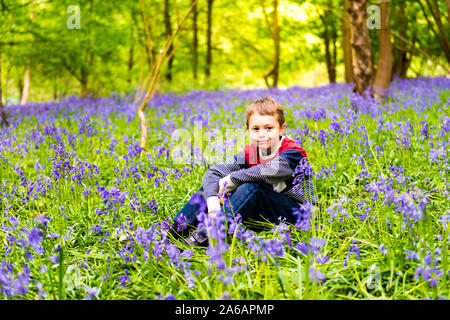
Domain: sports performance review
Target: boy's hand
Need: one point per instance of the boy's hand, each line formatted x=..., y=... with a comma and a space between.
x=212, y=214
x=221, y=196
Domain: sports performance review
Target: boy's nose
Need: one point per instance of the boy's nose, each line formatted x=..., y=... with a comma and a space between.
x=262, y=136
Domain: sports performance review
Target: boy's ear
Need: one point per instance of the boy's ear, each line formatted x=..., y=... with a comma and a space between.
x=283, y=127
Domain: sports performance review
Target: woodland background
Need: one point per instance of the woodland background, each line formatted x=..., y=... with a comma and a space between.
x=224, y=44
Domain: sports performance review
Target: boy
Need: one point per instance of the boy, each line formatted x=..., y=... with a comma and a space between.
x=260, y=178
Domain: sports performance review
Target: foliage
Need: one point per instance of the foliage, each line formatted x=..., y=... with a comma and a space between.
x=242, y=46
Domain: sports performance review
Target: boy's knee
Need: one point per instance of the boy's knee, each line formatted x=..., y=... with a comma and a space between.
x=249, y=186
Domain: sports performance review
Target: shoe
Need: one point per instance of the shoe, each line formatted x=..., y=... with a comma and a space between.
x=198, y=239
x=177, y=235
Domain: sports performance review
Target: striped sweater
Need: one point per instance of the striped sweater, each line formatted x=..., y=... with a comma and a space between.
x=276, y=169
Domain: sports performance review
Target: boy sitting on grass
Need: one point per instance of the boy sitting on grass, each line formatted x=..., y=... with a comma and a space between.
x=260, y=179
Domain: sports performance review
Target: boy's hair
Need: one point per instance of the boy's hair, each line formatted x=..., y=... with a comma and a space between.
x=266, y=107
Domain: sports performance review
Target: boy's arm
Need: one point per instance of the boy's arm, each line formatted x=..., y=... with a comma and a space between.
x=277, y=170
x=214, y=174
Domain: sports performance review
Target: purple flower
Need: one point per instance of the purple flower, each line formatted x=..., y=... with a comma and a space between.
x=433, y=282
x=215, y=253
x=54, y=259
x=315, y=275
x=355, y=249
x=35, y=236
x=411, y=255
x=97, y=228
x=43, y=220
x=321, y=258
x=383, y=249
x=173, y=253
x=303, y=247
x=90, y=292
x=303, y=214
x=124, y=279
x=198, y=199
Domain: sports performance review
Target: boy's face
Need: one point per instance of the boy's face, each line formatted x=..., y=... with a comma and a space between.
x=264, y=132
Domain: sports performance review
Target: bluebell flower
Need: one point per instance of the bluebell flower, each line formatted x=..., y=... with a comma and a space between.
x=315, y=275
x=54, y=259
x=124, y=279
x=90, y=292
x=35, y=236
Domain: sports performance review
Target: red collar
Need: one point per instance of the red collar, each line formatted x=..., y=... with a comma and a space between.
x=252, y=155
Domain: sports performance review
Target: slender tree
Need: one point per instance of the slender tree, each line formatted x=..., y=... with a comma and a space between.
x=1, y=97
x=195, y=39
x=26, y=86
x=130, y=62
x=347, y=42
x=168, y=32
x=384, y=70
x=400, y=51
x=362, y=55
x=329, y=36
x=3, y=118
x=208, y=39
x=27, y=77
x=274, y=30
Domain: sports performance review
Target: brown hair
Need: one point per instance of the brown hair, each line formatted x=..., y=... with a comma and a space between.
x=266, y=107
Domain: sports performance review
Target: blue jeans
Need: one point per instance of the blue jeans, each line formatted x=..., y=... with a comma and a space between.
x=253, y=201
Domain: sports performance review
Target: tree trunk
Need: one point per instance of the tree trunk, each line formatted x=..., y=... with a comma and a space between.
x=195, y=42
x=168, y=31
x=1, y=97
x=326, y=39
x=399, y=50
x=362, y=55
x=55, y=89
x=27, y=77
x=276, y=40
x=329, y=38
x=334, y=54
x=384, y=70
x=3, y=118
x=208, y=40
x=274, y=29
x=26, y=86
x=20, y=88
x=85, y=73
x=130, y=62
x=5, y=91
x=447, y=3
x=347, y=43
x=140, y=86
x=84, y=83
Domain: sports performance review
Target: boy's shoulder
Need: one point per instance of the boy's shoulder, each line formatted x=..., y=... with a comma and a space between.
x=288, y=144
